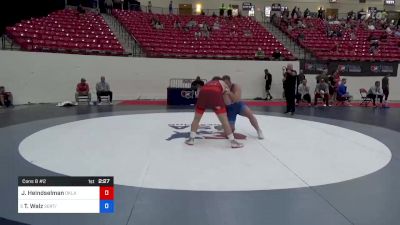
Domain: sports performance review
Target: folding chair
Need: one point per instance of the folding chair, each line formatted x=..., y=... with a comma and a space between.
x=83, y=100
x=105, y=100
x=365, y=100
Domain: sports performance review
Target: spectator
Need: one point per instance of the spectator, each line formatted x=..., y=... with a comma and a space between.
x=109, y=6
x=289, y=86
x=159, y=25
x=149, y=5
x=397, y=34
x=177, y=24
x=229, y=11
x=260, y=53
x=375, y=92
x=214, y=15
x=216, y=25
x=6, y=98
x=322, y=91
x=222, y=10
x=300, y=37
x=342, y=93
x=204, y=30
x=323, y=75
x=306, y=13
x=293, y=14
x=389, y=31
x=350, y=15
x=191, y=24
x=82, y=89
x=320, y=13
x=197, y=35
x=301, y=77
x=276, y=55
x=353, y=36
x=361, y=14
x=197, y=83
x=272, y=18
x=80, y=9
x=303, y=92
x=247, y=33
x=374, y=45
x=103, y=89
x=290, y=28
x=118, y=4
x=170, y=7
x=268, y=82
x=385, y=88
x=371, y=27
x=300, y=25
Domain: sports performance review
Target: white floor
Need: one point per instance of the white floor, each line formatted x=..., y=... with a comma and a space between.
x=133, y=149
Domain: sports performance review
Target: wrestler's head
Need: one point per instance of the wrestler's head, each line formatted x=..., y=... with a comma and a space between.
x=227, y=80
x=216, y=78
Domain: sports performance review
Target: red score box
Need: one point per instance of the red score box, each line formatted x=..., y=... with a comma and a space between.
x=106, y=193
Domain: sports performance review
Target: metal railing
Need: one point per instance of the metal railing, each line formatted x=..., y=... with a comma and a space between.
x=182, y=83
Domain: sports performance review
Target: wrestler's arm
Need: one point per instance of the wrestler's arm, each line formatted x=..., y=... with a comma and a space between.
x=236, y=93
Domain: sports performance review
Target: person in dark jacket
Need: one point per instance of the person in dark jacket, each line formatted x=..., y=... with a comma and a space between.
x=268, y=81
x=289, y=85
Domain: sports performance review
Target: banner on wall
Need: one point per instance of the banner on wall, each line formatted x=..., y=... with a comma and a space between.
x=247, y=6
x=350, y=68
x=276, y=7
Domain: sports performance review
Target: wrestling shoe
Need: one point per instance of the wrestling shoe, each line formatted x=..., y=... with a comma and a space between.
x=236, y=144
x=189, y=141
x=260, y=135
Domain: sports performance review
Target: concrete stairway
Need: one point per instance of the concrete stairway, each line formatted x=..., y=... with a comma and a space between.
x=127, y=41
x=293, y=47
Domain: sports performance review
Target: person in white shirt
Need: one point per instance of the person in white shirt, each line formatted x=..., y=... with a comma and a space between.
x=375, y=92
x=103, y=89
x=371, y=27
x=303, y=92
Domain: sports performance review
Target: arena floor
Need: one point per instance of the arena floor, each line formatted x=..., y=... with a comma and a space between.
x=322, y=166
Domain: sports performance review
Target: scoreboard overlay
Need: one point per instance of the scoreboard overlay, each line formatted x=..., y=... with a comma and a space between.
x=65, y=194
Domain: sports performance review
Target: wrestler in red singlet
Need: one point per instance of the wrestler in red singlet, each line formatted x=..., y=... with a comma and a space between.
x=210, y=97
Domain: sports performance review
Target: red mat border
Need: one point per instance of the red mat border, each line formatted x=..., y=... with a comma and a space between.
x=248, y=102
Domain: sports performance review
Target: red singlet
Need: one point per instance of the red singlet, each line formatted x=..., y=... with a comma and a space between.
x=210, y=97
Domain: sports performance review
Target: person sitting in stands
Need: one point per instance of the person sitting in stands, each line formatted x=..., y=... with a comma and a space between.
x=6, y=98
x=260, y=53
x=276, y=54
x=371, y=27
x=353, y=36
x=197, y=35
x=322, y=91
x=342, y=93
x=397, y=34
x=303, y=93
x=216, y=25
x=109, y=6
x=159, y=25
x=82, y=89
x=80, y=9
x=204, y=30
x=389, y=31
x=103, y=89
x=247, y=33
x=375, y=92
x=177, y=24
x=191, y=24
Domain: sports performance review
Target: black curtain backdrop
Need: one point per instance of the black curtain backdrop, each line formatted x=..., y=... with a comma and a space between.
x=13, y=11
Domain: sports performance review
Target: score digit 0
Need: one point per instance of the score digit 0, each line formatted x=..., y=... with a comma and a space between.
x=106, y=193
